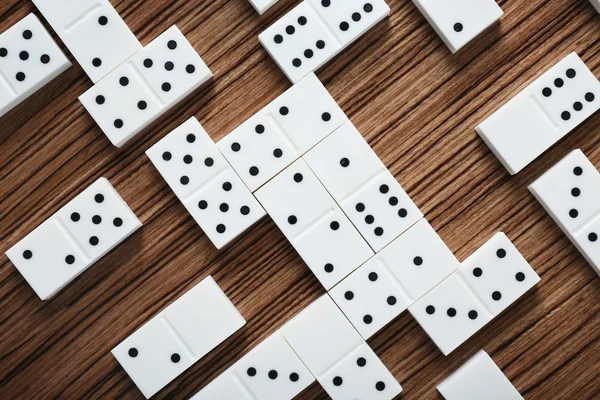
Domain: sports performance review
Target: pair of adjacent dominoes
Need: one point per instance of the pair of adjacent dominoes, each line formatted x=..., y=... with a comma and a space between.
x=569, y=191
x=540, y=115
x=196, y=169
x=178, y=336
x=262, y=5
x=318, y=343
x=317, y=30
x=147, y=85
x=93, y=31
x=478, y=378
x=73, y=239
x=458, y=22
x=29, y=59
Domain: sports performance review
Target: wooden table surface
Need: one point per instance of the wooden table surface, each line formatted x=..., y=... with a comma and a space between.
x=415, y=103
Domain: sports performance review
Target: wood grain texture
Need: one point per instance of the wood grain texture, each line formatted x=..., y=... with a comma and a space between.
x=415, y=103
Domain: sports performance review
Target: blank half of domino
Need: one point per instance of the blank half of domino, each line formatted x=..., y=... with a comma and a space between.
x=478, y=378
x=70, y=241
x=178, y=336
x=29, y=59
x=317, y=30
x=139, y=91
x=93, y=31
x=540, y=115
x=569, y=191
x=459, y=21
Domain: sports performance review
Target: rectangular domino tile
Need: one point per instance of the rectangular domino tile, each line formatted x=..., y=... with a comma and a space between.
x=337, y=356
x=316, y=31
x=478, y=378
x=487, y=282
x=178, y=336
x=271, y=371
x=70, y=241
x=459, y=21
x=569, y=191
x=262, y=5
x=93, y=31
x=395, y=278
x=282, y=131
x=314, y=224
x=362, y=186
x=211, y=191
x=151, y=82
x=540, y=115
x=44, y=61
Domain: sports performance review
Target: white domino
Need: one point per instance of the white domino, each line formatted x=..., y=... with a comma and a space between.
x=540, y=115
x=569, y=191
x=478, y=378
x=596, y=4
x=215, y=196
x=395, y=278
x=314, y=224
x=70, y=241
x=336, y=355
x=317, y=30
x=138, y=92
x=459, y=21
x=93, y=31
x=281, y=132
x=29, y=59
x=262, y=5
x=362, y=186
x=489, y=281
x=178, y=336
x=271, y=371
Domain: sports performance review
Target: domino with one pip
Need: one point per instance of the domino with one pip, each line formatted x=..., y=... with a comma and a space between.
x=178, y=336
x=459, y=21
x=138, y=92
x=281, y=132
x=395, y=278
x=197, y=172
x=362, y=186
x=542, y=113
x=478, y=378
x=317, y=30
x=314, y=224
x=29, y=59
x=93, y=31
x=73, y=239
x=487, y=282
x=336, y=355
x=569, y=191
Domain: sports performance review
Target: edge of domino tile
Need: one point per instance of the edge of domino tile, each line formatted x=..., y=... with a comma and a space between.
x=65, y=64
x=496, y=153
x=261, y=9
x=463, y=373
x=596, y=4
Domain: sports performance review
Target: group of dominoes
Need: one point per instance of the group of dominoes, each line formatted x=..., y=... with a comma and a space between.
x=302, y=162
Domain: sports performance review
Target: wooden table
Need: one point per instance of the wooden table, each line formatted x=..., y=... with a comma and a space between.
x=414, y=102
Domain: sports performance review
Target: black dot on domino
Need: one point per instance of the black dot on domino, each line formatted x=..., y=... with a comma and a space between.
x=27, y=34
x=368, y=319
x=477, y=272
x=577, y=171
x=337, y=381
x=27, y=254
x=175, y=358
x=118, y=222
x=94, y=241
x=133, y=352
x=575, y=192
x=99, y=198
x=124, y=81
x=430, y=310
x=451, y=312
x=20, y=76
x=294, y=377
x=3, y=52
x=75, y=217
x=221, y=228
x=501, y=253
x=520, y=277
x=273, y=374
x=328, y=268
x=172, y=45
x=380, y=386
x=496, y=296
x=391, y=300
x=373, y=276
x=593, y=237
x=349, y=295
x=251, y=371
x=418, y=261
x=24, y=56
x=573, y=213
x=227, y=186
x=458, y=27
x=96, y=62
x=245, y=210
x=473, y=314
x=70, y=259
